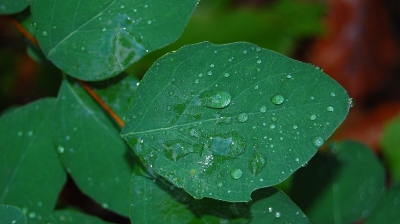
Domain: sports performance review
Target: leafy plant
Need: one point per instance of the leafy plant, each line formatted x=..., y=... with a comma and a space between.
x=206, y=134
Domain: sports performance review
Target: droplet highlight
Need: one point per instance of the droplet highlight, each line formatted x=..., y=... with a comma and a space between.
x=215, y=99
x=257, y=163
x=236, y=174
x=277, y=99
x=317, y=141
x=243, y=117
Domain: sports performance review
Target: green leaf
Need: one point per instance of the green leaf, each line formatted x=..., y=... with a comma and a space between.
x=391, y=147
x=11, y=214
x=387, y=210
x=95, y=40
x=70, y=216
x=8, y=7
x=31, y=174
x=339, y=187
x=168, y=204
x=89, y=144
x=229, y=119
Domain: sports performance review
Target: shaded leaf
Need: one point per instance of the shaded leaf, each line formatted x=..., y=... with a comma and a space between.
x=94, y=40
x=339, y=187
x=70, y=216
x=8, y=7
x=89, y=144
x=387, y=210
x=391, y=147
x=31, y=173
x=229, y=119
x=11, y=214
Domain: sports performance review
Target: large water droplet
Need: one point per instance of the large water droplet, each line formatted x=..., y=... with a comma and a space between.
x=257, y=163
x=277, y=99
x=215, y=99
x=317, y=141
x=243, y=117
x=176, y=149
x=231, y=145
x=236, y=174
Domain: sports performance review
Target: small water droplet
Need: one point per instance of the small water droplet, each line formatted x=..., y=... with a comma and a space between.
x=20, y=133
x=277, y=99
x=122, y=6
x=297, y=160
x=277, y=215
x=330, y=108
x=295, y=127
x=317, y=141
x=32, y=215
x=67, y=137
x=83, y=48
x=256, y=87
x=263, y=109
x=226, y=75
x=215, y=99
x=270, y=209
x=104, y=29
x=351, y=102
x=333, y=94
x=257, y=163
x=245, y=52
x=236, y=174
x=274, y=118
x=243, y=117
x=219, y=184
x=60, y=149
x=229, y=145
x=313, y=117
x=149, y=22
x=272, y=127
x=30, y=133
x=35, y=25
x=104, y=205
x=288, y=76
x=44, y=33
x=259, y=62
x=196, y=81
x=258, y=49
x=209, y=73
x=171, y=93
x=212, y=66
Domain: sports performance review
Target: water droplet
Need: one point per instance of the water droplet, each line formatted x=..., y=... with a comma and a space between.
x=35, y=26
x=219, y=184
x=256, y=87
x=317, y=141
x=196, y=81
x=297, y=159
x=20, y=133
x=149, y=22
x=313, y=117
x=200, y=75
x=122, y=6
x=60, y=149
x=318, y=68
x=351, y=102
x=270, y=209
x=333, y=94
x=274, y=118
x=295, y=127
x=236, y=174
x=104, y=29
x=104, y=205
x=171, y=93
x=272, y=127
x=176, y=149
x=263, y=109
x=44, y=33
x=83, y=48
x=258, y=49
x=259, y=62
x=67, y=137
x=277, y=99
x=32, y=215
x=212, y=66
x=257, y=163
x=215, y=99
x=226, y=75
x=330, y=108
x=245, y=52
x=209, y=73
x=30, y=133
x=243, y=117
x=146, y=6
x=288, y=76
x=277, y=215
x=230, y=144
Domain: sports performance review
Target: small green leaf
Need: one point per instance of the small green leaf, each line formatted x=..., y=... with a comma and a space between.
x=12, y=215
x=339, y=187
x=195, y=125
x=31, y=174
x=97, y=39
x=391, y=148
x=89, y=144
x=8, y=7
x=70, y=216
x=387, y=210
x=168, y=204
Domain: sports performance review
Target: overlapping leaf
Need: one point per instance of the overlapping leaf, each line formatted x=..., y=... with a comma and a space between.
x=89, y=144
x=220, y=121
x=70, y=216
x=94, y=40
x=8, y=7
x=31, y=174
x=11, y=214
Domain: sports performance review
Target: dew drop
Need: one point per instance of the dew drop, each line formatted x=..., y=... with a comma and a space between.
x=313, y=117
x=215, y=99
x=104, y=29
x=44, y=33
x=270, y=209
x=171, y=93
x=351, y=102
x=277, y=99
x=226, y=75
x=295, y=127
x=263, y=109
x=256, y=87
x=333, y=94
x=20, y=133
x=149, y=22
x=258, y=49
x=259, y=62
x=32, y=215
x=272, y=127
x=317, y=141
x=104, y=205
x=289, y=76
x=257, y=163
x=236, y=174
x=219, y=184
x=243, y=117
x=35, y=25
x=230, y=145
x=245, y=52
x=60, y=149
x=196, y=81
x=212, y=66
x=330, y=108
x=209, y=73
x=277, y=215
x=200, y=75
x=122, y=6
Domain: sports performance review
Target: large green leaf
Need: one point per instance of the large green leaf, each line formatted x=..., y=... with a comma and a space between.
x=168, y=204
x=97, y=39
x=31, y=174
x=13, y=6
x=229, y=119
x=70, y=216
x=387, y=210
x=391, y=148
x=339, y=187
x=11, y=214
x=89, y=144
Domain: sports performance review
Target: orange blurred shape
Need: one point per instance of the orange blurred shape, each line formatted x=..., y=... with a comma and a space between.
x=359, y=49
x=367, y=126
